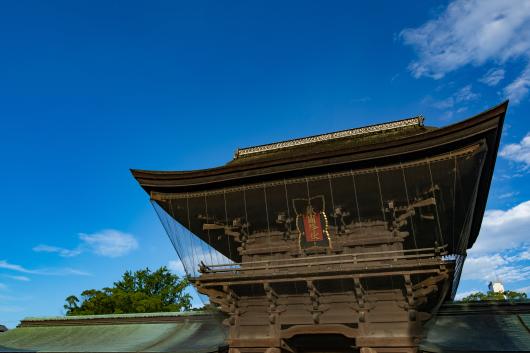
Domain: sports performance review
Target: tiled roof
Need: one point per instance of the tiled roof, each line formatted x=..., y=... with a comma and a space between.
x=189, y=333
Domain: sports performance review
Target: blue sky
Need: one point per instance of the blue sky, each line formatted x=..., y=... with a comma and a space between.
x=89, y=89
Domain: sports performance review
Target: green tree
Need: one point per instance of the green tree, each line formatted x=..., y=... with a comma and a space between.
x=143, y=291
x=490, y=295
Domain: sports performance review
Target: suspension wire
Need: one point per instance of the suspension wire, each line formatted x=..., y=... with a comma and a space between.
x=384, y=217
x=203, y=244
x=333, y=204
x=461, y=240
x=190, y=236
x=307, y=188
x=208, y=232
x=162, y=215
x=268, y=222
x=408, y=204
x=226, y=225
x=287, y=203
x=454, y=207
x=247, y=223
x=380, y=194
x=356, y=200
x=341, y=280
x=201, y=247
x=436, y=205
x=177, y=236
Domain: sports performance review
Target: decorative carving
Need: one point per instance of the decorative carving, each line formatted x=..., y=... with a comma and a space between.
x=417, y=121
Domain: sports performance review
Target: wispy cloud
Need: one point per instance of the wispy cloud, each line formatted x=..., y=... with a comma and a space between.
x=362, y=99
x=6, y=265
x=10, y=309
x=463, y=95
x=524, y=290
x=518, y=152
x=470, y=32
x=492, y=77
x=518, y=89
x=108, y=242
x=508, y=195
x=18, y=278
x=65, y=271
x=474, y=32
x=55, y=249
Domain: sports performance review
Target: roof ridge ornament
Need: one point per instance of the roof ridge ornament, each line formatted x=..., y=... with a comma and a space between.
x=365, y=130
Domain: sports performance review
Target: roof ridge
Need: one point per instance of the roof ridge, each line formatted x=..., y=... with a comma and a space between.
x=115, y=316
x=364, y=130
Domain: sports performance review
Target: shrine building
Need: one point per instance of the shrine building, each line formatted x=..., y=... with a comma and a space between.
x=350, y=240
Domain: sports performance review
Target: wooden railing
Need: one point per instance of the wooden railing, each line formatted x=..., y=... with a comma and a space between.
x=340, y=259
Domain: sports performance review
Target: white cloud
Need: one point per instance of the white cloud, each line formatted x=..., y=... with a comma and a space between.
x=502, y=251
x=524, y=290
x=10, y=309
x=504, y=230
x=492, y=77
x=470, y=32
x=66, y=271
x=110, y=242
x=62, y=272
x=474, y=32
x=494, y=267
x=518, y=152
x=459, y=295
x=518, y=89
x=55, y=249
x=176, y=267
x=508, y=195
x=18, y=278
x=464, y=94
x=6, y=265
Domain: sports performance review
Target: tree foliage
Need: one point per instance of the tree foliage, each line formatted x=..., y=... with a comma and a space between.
x=490, y=295
x=143, y=291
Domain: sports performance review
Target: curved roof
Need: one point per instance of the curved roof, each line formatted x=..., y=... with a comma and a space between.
x=159, y=332
x=379, y=147
x=479, y=327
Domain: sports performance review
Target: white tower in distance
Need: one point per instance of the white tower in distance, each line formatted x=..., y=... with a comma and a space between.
x=496, y=287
